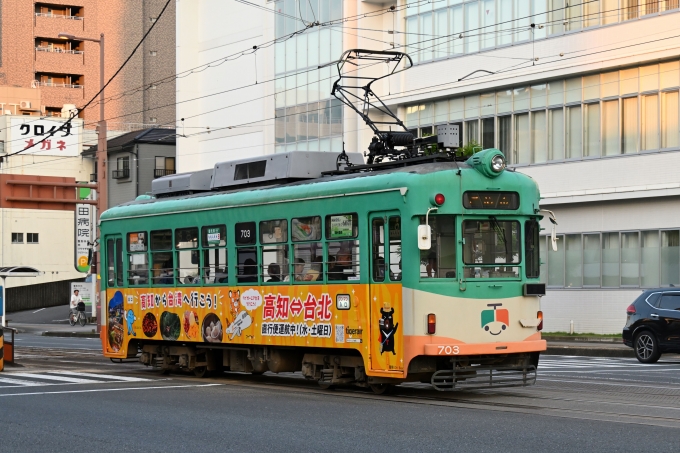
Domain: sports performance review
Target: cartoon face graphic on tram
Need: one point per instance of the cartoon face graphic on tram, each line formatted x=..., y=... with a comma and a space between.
x=495, y=320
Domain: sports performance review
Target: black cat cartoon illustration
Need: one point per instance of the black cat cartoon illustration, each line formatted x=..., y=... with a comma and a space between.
x=387, y=331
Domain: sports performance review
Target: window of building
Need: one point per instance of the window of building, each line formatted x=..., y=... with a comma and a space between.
x=17, y=238
x=164, y=166
x=153, y=53
x=31, y=238
x=122, y=168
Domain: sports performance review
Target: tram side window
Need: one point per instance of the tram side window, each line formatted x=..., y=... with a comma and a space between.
x=440, y=260
x=394, y=234
x=246, y=253
x=214, y=241
x=343, y=249
x=119, y=262
x=307, y=250
x=161, y=257
x=491, y=248
x=532, y=249
x=111, y=262
x=378, y=250
x=273, y=243
x=138, y=265
x=186, y=243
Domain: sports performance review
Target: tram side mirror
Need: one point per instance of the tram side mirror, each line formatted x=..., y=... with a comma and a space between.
x=553, y=238
x=424, y=237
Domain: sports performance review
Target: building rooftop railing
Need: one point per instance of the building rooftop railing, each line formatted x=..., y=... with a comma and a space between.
x=60, y=16
x=57, y=50
x=37, y=83
x=160, y=172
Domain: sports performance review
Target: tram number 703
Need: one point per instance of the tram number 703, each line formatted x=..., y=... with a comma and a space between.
x=448, y=350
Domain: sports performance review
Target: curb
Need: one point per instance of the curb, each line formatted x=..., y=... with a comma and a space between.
x=590, y=352
x=70, y=334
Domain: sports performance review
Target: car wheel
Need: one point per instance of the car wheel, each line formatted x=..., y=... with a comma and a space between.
x=647, y=347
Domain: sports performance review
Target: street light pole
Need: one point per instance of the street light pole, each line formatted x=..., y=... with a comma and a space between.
x=101, y=157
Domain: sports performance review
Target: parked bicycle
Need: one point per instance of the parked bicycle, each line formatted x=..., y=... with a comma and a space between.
x=78, y=316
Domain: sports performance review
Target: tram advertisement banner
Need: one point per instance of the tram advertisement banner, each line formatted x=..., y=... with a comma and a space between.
x=306, y=315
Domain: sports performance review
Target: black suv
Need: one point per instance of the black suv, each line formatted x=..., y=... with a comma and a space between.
x=653, y=324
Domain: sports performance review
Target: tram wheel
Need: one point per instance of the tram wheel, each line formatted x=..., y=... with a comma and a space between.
x=381, y=389
x=325, y=385
x=200, y=371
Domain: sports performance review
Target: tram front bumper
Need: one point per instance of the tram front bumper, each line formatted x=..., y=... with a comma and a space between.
x=500, y=347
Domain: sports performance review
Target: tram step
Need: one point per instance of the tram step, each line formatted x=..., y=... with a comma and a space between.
x=480, y=377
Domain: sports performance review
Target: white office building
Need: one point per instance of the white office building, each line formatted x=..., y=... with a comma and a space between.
x=582, y=96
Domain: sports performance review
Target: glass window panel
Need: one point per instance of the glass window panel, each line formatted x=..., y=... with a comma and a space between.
x=591, y=87
x=522, y=139
x=630, y=9
x=441, y=23
x=669, y=74
x=505, y=135
x=441, y=111
x=556, y=263
x=540, y=17
x=572, y=260
x=280, y=57
x=336, y=42
x=521, y=98
x=556, y=134
x=313, y=48
x=669, y=119
x=336, y=10
x=671, y=4
x=412, y=37
x=505, y=22
x=630, y=125
x=574, y=131
x=313, y=121
x=472, y=25
x=280, y=128
x=556, y=92
x=325, y=45
x=426, y=111
x=522, y=20
x=488, y=133
x=325, y=11
x=649, y=259
x=301, y=49
x=472, y=131
x=556, y=17
x=138, y=269
x=456, y=108
x=472, y=106
x=610, y=124
x=670, y=258
x=630, y=259
x=610, y=11
x=343, y=260
x=336, y=120
x=488, y=37
x=394, y=236
x=290, y=53
x=610, y=260
x=538, y=94
x=575, y=15
x=313, y=87
x=609, y=84
x=504, y=100
x=302, y=88
x=592, y=13
x=650, y=122
x=572, y=90
x=649, y=78
x=628, y=81
x=412, y=115
x=649, y=7
x=539, y=136
x=291, y=90
x=425, y=35
x=488, y=103
x=591, y=260
x=592, y=130
x=456, y=29
x=291, y=130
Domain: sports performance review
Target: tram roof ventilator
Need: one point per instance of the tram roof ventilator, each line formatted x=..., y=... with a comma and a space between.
x=254, y=171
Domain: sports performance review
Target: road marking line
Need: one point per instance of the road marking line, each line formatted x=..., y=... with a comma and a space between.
x=56, y=378
x=38, y=310
x=112, y=390
x=102, y=376
x=18, y=382
x=607, y=383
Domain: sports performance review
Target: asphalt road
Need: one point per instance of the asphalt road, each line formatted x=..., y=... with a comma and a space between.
x=66, y=397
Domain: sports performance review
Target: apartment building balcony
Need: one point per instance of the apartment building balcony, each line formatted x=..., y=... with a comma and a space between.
x=60, y=61
x=160, y=172
x=51, y=19
x=123, y=173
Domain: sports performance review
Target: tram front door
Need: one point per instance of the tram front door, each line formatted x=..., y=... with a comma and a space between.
x=386, y=324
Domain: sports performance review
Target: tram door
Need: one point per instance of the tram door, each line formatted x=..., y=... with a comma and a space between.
x=385, y=292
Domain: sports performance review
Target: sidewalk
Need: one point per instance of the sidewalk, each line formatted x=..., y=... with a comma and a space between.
x=588, y=348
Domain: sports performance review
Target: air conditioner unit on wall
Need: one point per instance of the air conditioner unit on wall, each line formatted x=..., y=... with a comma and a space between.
x=25, y=104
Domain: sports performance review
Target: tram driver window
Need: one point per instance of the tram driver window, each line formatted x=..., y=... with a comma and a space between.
x=110, y=261
x=343, y=250
x=246, y=253
x=273, y=240
x=138, y=266
x=491, y=248
x=186, y=243
x=213, y=242
x=394, y=236
x=161, y=257
x=307, y=250
x=440, y=260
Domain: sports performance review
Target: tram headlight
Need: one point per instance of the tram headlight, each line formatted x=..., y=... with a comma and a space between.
x=498, y=163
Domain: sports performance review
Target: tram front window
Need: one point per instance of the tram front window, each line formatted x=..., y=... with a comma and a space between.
x=491, y=247
x=440, y=260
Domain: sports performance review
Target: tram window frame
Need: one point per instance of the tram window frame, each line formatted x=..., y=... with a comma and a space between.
x=345, y=245
x=119, y=263
x=217, y=246
x=273, y=239
x=189, y=275
x=491, y=270
x=311, y=271
x=246, y=249
x=137, y=276
x=162, y=253
x=395, y=267
x=111, y=262
x=430, y=265
x=378, y=249
x=532, y=245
